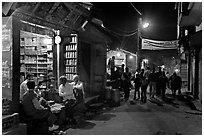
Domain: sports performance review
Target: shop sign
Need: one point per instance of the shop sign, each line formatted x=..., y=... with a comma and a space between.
x=159, y=45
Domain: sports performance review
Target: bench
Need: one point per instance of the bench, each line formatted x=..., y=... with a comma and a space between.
x=90, y=99
x=92, y=104
x=34, y=126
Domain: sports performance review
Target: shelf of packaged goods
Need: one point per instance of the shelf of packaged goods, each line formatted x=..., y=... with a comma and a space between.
x=28, y=45
x=70, y=65
x=30, y=54
x=31, y=71
x=31, y=63
x=31, y=68
x=42, y=63
x=42, y=72
x=42, y=59
x=70, y=72
x=71, y=50
x=70, y=58
x=42, y=55
x=42, y=68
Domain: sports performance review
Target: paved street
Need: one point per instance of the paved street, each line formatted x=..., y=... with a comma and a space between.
x=142, y=119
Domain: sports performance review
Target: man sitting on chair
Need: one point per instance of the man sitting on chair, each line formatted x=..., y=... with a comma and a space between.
x=34, y=109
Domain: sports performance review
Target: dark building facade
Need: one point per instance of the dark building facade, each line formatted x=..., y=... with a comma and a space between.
x=190, y=36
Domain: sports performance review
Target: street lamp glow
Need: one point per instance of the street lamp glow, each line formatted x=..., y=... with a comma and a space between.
x=145, y=25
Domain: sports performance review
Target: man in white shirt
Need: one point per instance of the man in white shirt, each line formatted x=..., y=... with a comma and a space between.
x=23, y=86
x=66, y=89
x=66, y=92
x=73, y=95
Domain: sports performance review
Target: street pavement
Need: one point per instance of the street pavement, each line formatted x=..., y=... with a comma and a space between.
x=139, y=118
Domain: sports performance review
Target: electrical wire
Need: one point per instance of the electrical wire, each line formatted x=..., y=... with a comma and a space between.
x=124, y=35
x=136, y=9
x=131, y=33
x=123, y=31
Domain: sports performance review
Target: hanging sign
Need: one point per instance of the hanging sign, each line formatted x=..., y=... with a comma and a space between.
x=159, y=45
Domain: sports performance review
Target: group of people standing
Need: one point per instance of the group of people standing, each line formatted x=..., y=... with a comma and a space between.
x=158, y=82
x=121, y=77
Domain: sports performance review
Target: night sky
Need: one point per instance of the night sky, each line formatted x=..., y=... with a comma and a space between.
x=122, y=18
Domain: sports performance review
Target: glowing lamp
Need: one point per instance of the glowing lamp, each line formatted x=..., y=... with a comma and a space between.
x=176, y=70
x=118, y=54
x=57, y=40
x=131, y=57
x=145, y=25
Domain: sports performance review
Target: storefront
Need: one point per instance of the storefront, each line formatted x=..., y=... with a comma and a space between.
x=120, y=58
x=29, y=44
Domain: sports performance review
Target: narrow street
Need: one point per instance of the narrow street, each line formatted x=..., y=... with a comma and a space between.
x=71, y=68
x=142, y=119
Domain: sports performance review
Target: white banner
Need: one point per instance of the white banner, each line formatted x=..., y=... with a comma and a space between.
x=159, y=45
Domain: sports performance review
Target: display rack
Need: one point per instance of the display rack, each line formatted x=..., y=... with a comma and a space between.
x=35, y=54
x=71, y=57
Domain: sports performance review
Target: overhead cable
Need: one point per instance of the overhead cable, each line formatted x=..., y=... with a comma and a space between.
x=136, y=9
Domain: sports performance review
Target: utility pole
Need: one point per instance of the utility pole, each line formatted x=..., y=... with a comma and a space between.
x=138, y=43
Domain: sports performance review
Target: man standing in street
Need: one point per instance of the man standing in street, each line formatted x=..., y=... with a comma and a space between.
x=147, y=72
x=163, y=81
x=112, y=66
x=152, y=82
x=158, y=85
x=176, y=84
